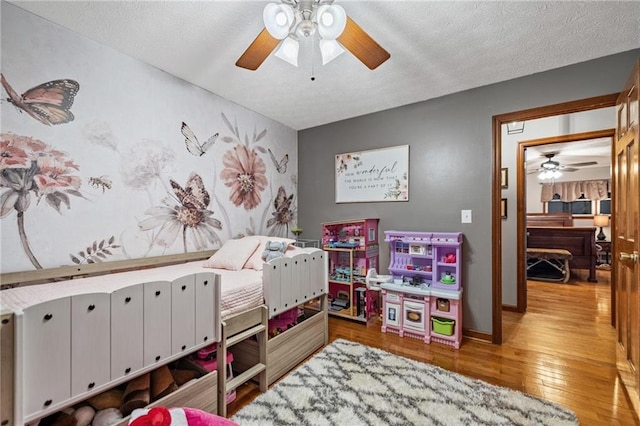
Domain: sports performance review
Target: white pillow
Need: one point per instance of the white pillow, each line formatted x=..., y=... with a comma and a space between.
x=233, y=254
x=256, y=261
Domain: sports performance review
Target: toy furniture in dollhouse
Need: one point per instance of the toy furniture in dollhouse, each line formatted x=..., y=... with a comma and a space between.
x=352, y=248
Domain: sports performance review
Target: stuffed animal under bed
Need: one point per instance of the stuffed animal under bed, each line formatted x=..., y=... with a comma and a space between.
x=161, y=416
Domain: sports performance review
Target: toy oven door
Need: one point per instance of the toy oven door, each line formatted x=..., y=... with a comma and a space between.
x=414, y=315
x=392, y=312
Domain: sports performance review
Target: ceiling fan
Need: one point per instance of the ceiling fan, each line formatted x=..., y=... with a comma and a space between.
x=291, y=20
x=550, y=166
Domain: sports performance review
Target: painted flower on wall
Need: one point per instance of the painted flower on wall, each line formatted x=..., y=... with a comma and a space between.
x=244, y=173
x=145, y=162
x=185, y=212
x=29, y=167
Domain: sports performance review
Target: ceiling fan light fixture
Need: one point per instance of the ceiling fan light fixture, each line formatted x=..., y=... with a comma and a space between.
x=549, y=174
x=278, y=19
x=300, y=19
x=330, y=49
x=332, y=20
x=288, y=51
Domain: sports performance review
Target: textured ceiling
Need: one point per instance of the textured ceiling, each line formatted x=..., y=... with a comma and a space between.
x=437, y=48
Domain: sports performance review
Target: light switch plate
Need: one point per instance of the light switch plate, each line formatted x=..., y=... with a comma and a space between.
x=466, y=216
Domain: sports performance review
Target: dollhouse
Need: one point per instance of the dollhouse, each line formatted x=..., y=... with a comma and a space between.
x=352, y=248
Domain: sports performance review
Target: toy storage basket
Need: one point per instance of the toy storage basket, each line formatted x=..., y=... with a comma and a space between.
x=443, y=304
x=442, y=326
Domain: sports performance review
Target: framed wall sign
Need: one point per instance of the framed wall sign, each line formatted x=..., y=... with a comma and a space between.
x=375, y=175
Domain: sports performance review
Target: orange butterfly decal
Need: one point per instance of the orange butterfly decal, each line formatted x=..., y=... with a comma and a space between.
x=49, y=103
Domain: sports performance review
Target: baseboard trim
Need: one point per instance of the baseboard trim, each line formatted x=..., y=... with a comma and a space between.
x=477, y=335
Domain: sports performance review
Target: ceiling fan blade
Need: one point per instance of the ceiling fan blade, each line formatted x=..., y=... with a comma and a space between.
x=258, y=51
x=362, y=46
x=586, y=163
x=569, y=169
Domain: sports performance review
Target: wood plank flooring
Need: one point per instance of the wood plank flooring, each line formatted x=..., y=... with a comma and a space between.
x=562, y=349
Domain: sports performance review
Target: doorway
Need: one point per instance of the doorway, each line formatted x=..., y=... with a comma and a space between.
x=498, y=122
x=565, y=148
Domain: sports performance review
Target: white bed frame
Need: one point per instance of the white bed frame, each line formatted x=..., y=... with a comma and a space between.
x=288, y=282
x=65, y=350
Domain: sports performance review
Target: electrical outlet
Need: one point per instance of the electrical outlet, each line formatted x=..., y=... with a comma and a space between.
x=466, y=216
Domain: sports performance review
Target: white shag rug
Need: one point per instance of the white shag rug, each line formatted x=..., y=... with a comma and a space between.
x=351, y=384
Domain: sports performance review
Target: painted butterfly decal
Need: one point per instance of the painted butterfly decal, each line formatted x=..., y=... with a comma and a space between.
x=49, y=103
x=192, y=143
x=281, y=167
x=282, y=205
x=193, y=195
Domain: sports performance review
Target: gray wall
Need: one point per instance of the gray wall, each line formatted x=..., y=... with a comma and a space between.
x=450, y=163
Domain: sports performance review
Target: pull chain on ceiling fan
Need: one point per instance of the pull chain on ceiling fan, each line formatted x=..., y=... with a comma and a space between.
x=288, y=22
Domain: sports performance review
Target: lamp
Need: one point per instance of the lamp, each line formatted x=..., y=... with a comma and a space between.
x=291, y=21
x=601, y=220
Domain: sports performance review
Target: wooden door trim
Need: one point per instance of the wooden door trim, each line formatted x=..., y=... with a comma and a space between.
x=521, y=225
x=597, y=102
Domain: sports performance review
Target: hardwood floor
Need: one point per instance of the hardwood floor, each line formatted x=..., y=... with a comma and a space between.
x=562, y=349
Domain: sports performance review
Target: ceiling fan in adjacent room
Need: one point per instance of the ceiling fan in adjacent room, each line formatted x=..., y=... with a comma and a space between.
x=552, y=169
x=290, y=21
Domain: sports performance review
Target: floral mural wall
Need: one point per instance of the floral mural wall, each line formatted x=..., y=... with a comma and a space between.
x=105, y=158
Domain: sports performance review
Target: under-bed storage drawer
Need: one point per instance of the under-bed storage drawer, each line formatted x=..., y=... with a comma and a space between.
x=200, y=393
x=285, y=350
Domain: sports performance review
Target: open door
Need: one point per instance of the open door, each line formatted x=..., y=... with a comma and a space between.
x=626, y=236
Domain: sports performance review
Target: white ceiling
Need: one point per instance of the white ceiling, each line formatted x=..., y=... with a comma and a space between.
x=437, y=48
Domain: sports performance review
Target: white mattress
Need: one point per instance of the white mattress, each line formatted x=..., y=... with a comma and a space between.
x=241, y=290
